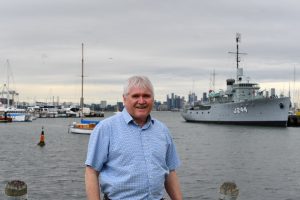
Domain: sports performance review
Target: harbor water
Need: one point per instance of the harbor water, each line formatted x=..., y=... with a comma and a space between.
x=264, y=162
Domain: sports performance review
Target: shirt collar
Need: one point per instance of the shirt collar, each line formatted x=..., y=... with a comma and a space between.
x=128, y=118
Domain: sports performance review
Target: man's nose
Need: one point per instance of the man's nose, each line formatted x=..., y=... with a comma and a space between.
x=141, y=100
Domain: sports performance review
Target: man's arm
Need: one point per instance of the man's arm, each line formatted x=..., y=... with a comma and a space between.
x=172, y=186
x=92, y=184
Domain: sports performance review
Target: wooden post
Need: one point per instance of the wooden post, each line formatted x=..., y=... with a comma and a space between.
x=16, y=190
x=229, y=191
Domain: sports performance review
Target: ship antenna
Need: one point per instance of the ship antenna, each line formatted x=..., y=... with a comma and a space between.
x=237, y=53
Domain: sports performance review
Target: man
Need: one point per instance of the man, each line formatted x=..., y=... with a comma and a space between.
x=132, y=153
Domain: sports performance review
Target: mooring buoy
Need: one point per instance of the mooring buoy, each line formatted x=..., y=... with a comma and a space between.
x=42, y=138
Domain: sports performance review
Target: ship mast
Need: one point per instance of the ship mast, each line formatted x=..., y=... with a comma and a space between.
x=237, y=53
x=238, y=40
x=81, y=99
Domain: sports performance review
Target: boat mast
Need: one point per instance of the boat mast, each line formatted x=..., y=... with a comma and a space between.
x=294, y=87
x=81, y=99
x=7, y=84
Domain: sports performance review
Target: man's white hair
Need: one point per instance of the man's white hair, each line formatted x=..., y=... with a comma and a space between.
x=138, y=82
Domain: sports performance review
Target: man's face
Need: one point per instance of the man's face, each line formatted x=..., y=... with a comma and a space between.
x=139, y=103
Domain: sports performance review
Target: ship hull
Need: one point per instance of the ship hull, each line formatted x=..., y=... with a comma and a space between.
x=263, y=112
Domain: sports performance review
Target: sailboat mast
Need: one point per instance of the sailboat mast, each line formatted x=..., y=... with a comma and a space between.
x=82, y=63
x=7, y=86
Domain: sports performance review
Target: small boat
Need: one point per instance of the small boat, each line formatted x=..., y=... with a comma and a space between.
x=17, y=114
x=294, y=118
x=4, y=118
x=84, y=127
x=48, y=111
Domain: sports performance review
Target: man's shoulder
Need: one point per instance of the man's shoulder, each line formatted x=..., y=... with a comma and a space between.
x=112, y=120
x=158, y=123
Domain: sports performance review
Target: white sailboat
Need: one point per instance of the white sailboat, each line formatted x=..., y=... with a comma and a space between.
x=84, y=126
x=7, y=103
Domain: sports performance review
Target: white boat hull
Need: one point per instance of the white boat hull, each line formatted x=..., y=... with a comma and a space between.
x=80, y=130
x=20, y=117
x=84, y=127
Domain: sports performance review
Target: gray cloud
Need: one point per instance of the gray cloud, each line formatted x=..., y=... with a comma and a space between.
x=175, y=43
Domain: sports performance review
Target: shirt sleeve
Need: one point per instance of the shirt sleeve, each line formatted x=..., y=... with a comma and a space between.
x=97, y=152
x=172, y=158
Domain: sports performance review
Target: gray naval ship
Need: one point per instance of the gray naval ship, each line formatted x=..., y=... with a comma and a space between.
x=241, y=103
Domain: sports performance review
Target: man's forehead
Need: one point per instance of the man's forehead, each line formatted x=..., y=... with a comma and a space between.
x=139, y=90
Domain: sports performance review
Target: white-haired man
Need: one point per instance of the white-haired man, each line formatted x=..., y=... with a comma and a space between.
x=131, y=154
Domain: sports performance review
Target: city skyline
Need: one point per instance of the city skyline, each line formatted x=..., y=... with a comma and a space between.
x=177, y=44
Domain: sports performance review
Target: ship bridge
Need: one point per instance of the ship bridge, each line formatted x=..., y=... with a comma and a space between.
x=245, y=91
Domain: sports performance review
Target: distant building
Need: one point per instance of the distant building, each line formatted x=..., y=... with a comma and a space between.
x=175, y=102
x=156, y=105
x=162, y=107
x=204, y=97
x=192, y=98
x=120, y=106
x=103, y=104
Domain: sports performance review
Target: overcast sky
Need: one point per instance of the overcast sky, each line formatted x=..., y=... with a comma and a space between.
x=176, y=43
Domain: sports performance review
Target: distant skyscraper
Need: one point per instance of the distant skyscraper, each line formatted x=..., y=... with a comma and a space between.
x=175, y=102
x=192, y=98
x=103, y=104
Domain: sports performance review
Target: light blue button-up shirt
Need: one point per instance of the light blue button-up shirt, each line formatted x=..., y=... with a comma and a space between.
x=133, y=161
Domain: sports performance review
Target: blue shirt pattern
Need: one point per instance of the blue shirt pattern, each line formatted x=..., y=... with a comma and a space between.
x=133, y=161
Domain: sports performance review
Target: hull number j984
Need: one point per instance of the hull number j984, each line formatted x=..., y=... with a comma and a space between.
x=238, y=110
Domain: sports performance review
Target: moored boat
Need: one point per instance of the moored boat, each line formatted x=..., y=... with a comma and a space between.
x=294, y=118
x=83, y=127
x=241, y=103
x=17, y=114
x=4, y=118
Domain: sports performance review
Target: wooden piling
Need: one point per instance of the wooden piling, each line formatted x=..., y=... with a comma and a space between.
x=16, y=190
x=229, y=191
